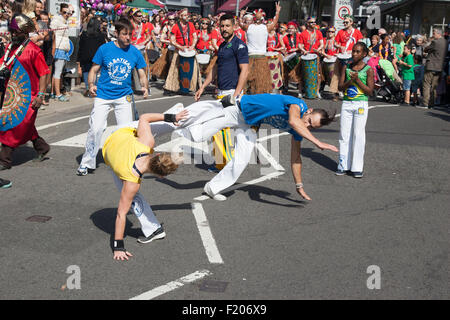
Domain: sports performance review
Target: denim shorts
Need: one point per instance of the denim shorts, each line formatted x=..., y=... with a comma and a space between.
x=407, y=85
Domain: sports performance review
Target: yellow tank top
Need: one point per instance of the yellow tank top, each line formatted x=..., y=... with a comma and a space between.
x=120, y=151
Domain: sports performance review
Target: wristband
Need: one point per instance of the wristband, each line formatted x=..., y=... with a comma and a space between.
x=170, y=117
x=118, y=245
x=299, y=185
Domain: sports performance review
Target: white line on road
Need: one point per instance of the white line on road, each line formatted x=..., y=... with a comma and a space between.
x=172, y=285
x=205, y=233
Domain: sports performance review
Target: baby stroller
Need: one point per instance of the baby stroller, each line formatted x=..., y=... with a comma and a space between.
x=388, y=85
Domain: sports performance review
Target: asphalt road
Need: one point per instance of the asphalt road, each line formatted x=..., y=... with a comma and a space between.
x=272, y=244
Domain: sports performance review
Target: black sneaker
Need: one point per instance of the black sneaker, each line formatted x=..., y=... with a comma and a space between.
x=5, y=183
x=358, y=175
x=158, y=234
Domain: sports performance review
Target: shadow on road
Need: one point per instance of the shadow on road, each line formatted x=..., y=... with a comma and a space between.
x=320, y=158
x=177, y=185
x=105, y=220
x=440, y=116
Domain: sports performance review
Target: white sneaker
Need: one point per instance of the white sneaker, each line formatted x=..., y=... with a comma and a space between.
x=300, y=95
x=217, y=197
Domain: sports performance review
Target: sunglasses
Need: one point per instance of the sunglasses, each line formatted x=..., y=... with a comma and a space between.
x=66, y=12
x=346, y=22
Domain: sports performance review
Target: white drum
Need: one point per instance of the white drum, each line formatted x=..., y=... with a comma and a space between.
x=344, y=58
x=171, y=47
x=330, y=60
x=187, y=53
x=309, y=56
x=203, y=58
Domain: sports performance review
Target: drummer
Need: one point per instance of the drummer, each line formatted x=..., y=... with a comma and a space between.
x=161, y=66
x=291, y=42
x=274, y=42
x=344, y=41
x=259, y=79
x=329, y=51
x=207, y=37
x=183, y=38
x=311, y=42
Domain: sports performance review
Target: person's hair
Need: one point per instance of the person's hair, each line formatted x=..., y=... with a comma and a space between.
x=28, y=6
x=93, y=27
x=43, y=13
x=325, y=117
x=438, y=31
x=17, y=6
x=384, y=36
x=398, y=38
x=121, y=24
x=409, y=46
x=227, y=16
x=164, y=164
x=418, y=59
x=63, y=6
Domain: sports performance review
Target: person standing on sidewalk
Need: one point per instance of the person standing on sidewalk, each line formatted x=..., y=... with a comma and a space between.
x=32, y=59
x=433, y=68
x=116, y=59
x=61, y=48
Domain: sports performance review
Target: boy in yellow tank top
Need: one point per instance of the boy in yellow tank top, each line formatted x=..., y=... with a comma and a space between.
x=129, y=153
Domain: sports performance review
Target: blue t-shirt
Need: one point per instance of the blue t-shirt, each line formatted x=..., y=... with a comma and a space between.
x=229, y=57
x=272, y=109
x=116, y=67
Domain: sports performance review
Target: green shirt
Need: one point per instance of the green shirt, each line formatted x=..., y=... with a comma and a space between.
x=354, y=92
x=408, y=73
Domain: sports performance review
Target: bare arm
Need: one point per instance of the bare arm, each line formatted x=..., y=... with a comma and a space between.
x=274, y=23
x=342, y=83
x=91, y=79
x=242, y=79
x=296, y=167
x=208, y=80
x=299, y=126
x=143, y=81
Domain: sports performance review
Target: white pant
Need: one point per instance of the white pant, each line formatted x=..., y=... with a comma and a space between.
x=244, y=143
x=97, y=125
x=352, y=138
x=141, y=209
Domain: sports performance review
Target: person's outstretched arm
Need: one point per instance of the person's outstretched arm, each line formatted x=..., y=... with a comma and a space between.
x=296, y=167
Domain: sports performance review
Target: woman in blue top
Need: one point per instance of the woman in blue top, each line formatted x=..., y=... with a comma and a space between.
x=283, y=112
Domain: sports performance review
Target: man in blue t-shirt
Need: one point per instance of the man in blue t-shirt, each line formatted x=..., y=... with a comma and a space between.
x=232, y=62
x=283, y=112
x=116, y=61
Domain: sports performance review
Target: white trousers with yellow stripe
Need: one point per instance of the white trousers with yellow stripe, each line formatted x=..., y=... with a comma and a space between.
x=352, y=137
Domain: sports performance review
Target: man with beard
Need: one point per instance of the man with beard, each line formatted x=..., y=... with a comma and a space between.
x=32, y=59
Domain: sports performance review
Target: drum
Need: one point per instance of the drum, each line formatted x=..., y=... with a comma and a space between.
x=152, y=55
x=203, y=58
x=275, y=70
x=328, y=68
x=344, y=58
x=291, y=60
x=310, y=75
x=186, y=69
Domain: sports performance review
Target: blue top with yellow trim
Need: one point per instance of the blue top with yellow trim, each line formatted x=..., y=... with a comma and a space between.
x=272, y=109
x=354, y=92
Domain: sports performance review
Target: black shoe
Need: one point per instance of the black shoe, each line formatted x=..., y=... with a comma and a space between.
x=168, y=93
x=3, y=167
x=358, y=175
x=403, y=104
x=158, y=234
x=5, y=183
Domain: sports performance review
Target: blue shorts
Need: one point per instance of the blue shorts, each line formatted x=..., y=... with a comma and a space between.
x=407, y=85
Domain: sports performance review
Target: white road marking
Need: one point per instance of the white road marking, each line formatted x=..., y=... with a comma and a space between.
x=209, y=243
x=266, y=154
x=172, y=285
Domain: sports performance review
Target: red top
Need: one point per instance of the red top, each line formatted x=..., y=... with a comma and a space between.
x=33, y=61
x=220, y=39
x=348, y=39
x=205, y=39
x=241, y=34
x=146, y=32
x=329, y=47
x=311, y=40
x=291, y=42
x=183, y=34
x=273, y=42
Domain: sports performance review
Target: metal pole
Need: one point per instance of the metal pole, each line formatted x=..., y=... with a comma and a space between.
x=237, y=8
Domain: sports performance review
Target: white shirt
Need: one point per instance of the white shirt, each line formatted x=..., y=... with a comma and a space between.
x=257, y=35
